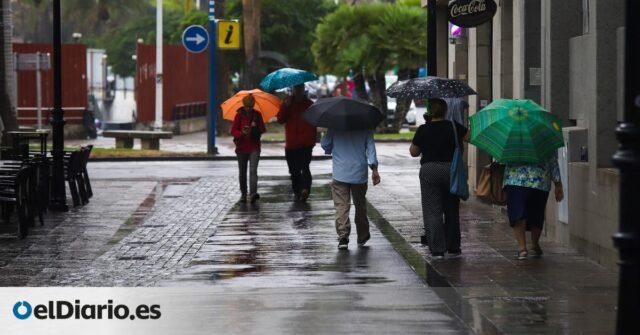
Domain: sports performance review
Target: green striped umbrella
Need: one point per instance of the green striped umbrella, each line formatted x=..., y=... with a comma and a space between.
x=516, y=131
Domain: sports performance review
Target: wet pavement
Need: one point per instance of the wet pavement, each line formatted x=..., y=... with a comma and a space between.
x=195, y=142
x=274, y=266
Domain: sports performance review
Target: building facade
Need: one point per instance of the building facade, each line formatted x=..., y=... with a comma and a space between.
x=568, y=57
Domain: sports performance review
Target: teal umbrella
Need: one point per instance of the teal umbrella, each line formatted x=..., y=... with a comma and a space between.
x=286, y=77
x=516, y=131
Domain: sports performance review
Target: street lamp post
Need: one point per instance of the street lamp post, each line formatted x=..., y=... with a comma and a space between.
x=627, y=159
x=159, y=60
x=432, y=45
x=76, y=37
x=58, y=192
x=213, y=104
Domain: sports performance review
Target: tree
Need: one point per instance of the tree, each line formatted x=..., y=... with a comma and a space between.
x=285, y=29
x=7, y=112
x=344, y=43
x=402, y=31
x=120, y=43
x=96, y=17
x=251, y=14
x=288, y=30
x=367, y=41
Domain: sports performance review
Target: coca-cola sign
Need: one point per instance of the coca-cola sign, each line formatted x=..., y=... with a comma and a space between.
x=471, y=13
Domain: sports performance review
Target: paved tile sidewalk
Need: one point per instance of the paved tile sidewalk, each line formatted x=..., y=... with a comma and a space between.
x=184, y=215
x=70, y=241
x=562, y=292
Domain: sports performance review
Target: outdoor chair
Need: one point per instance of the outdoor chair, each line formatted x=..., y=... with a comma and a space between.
x=74, y=166
x=17, y=192
x=85, y=172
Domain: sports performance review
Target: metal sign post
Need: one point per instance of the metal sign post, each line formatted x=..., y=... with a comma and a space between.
x=39, y=92
x=213, y=106
x=34, y=62
x=159, y=64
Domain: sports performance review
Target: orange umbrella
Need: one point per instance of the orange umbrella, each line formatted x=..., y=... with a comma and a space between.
x=268, y=105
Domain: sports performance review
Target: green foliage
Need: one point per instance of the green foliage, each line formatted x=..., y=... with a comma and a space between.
x=287, y=27
x=120, y=43
x=403, y=32
x=333, y=35
x=192, y=18
x=372, y=37
x=411, y=3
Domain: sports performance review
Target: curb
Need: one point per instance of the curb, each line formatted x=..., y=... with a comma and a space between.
x=189, y=159
x=377, y=141
x=456, y=303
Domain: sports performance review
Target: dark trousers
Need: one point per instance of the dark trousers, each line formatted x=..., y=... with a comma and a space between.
x=452, y=223
x=298, y=161
x=440, y=210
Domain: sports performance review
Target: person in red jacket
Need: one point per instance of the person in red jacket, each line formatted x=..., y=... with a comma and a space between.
x=246, y=129
x=300, y=138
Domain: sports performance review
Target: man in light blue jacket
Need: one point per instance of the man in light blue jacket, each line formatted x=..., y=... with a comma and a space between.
x=354, y=152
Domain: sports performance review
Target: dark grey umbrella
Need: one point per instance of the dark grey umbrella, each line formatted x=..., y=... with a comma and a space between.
x=429, y=87
x=342, y=113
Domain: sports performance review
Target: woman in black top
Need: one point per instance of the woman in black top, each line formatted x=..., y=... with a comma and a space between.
x=436, y=142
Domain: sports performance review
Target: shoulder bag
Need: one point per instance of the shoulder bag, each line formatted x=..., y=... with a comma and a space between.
x=490, y=184
x=459, y=185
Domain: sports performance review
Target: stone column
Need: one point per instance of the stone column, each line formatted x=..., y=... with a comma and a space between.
x=561, y=20
x=480, y=79
x=503, y=51
x=607, y=17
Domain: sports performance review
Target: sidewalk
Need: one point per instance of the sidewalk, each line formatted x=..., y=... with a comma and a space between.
x=561, y=293
x=178, y=223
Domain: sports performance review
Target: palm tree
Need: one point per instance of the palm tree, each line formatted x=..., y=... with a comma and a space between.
x=7, y=112
x=403, y=32
x=251, y=14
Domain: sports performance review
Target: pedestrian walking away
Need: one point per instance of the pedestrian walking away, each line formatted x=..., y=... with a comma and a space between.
x=457, y=109
x=527, y=187
x=353, y=152
x=435, y=142
x=300, y=138
x=246, y=129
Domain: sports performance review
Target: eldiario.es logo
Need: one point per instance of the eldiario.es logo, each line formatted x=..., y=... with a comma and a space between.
x=64, y=310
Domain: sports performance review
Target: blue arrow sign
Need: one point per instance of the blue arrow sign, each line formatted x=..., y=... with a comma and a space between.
x=195, y=39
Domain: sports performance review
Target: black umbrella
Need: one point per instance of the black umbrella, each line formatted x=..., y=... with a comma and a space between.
x=429, y=87
x=342, y=113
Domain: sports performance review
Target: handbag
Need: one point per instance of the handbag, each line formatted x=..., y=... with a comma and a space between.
x=490, y=184
x=459, y=185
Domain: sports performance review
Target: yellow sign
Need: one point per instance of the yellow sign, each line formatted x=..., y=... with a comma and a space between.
x=228, y=35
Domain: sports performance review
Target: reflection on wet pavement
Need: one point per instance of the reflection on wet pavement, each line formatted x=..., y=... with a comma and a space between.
x=278, y=262
x=279, y=242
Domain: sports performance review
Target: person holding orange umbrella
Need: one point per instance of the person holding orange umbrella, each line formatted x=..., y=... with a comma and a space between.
x=246, y=129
